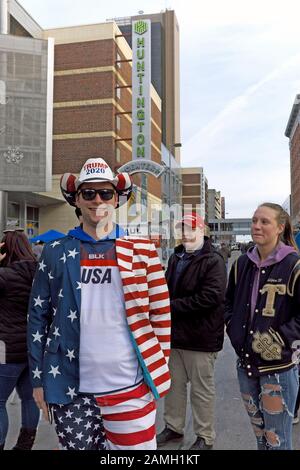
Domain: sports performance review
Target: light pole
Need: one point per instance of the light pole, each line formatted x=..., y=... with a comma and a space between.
x=3, y=30
x=172, y=146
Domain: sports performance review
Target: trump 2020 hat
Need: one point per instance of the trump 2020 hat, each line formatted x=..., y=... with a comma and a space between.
x=95, y=170
x=192, y=219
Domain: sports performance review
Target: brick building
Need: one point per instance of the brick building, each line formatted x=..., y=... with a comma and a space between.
x=91, y=114
x=214, y=204
x=194, y=190
x=92, y=103
x=293, y=133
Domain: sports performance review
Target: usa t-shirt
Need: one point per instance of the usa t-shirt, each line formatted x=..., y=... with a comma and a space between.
x=108, y=361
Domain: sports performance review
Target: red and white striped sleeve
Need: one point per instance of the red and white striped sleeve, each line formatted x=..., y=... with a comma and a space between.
x=159, y=302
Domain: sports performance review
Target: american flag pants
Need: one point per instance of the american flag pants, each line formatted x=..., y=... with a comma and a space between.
x=129, y=419
x=121, y=421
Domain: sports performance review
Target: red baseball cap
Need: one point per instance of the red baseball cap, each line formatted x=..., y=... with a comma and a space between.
x=192, y=219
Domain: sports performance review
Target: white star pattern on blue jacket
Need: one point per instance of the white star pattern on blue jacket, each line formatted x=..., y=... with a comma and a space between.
x=37, y=373
x=72, y=315
x=38, y=301
x=71, y=354
x=37, y=336
x=71, y=392
x=73, y=253
x=56, y=332
x=42, y=265
x=50, y=294
x=54, y=371
x=63, y=258
x=54, y=244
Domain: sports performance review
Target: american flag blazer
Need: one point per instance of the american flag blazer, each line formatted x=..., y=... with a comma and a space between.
x=54, y=316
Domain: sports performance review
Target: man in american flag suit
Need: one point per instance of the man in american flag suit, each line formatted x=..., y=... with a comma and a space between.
x=99, y=323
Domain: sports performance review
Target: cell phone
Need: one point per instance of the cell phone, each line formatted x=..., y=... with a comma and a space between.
x=2, y=250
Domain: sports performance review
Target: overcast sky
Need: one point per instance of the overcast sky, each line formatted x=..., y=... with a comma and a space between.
x=240, y=73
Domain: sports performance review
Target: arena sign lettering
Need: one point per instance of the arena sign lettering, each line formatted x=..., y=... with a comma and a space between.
x=141, y=83
x=142, y=166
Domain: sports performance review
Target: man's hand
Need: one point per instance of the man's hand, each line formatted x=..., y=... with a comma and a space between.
x=38, y=395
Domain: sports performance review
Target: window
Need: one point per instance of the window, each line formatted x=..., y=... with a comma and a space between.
x=13, y=214
x=118, y=63
x=32, y=221
x=118, y=155
x=118, y=123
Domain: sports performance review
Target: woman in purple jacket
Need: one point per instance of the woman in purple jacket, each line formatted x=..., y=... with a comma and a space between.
x=262, y=317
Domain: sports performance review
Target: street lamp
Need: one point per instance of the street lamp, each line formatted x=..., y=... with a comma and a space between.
x=172, y=240
x=172, y=146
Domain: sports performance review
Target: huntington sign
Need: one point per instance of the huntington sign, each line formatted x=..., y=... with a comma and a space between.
x=141, y=83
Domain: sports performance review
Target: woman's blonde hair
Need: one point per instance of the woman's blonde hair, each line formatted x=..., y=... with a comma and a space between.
x=283, y=218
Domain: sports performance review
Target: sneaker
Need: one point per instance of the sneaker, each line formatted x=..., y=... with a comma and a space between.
x=200, y=444
x=296, y=419
x=168, y=435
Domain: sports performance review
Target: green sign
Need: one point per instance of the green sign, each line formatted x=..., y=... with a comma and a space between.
x=141, y=85
x=140, y=27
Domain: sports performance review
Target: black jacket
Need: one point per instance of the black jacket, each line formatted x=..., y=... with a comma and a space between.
x=197, y=301
x=15, y=286
x=265, y=342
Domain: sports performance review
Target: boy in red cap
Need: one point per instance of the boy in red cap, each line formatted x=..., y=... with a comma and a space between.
x=196, y=279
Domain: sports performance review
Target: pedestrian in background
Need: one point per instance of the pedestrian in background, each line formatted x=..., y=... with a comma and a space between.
x=17, y=268
x=263, y=323
x=196, y=279
x=37, y=249
x=226, y=253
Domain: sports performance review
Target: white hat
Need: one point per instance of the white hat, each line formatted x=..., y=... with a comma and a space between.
x=95, y=170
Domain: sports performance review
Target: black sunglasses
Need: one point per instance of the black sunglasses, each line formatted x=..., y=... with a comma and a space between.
x=90, y=194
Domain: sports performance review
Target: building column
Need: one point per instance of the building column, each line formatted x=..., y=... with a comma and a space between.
x=3, y=210
x=3, y=194
x=4, y=16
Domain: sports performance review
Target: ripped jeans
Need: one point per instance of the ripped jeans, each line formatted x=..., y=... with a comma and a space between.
x=270, y=401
